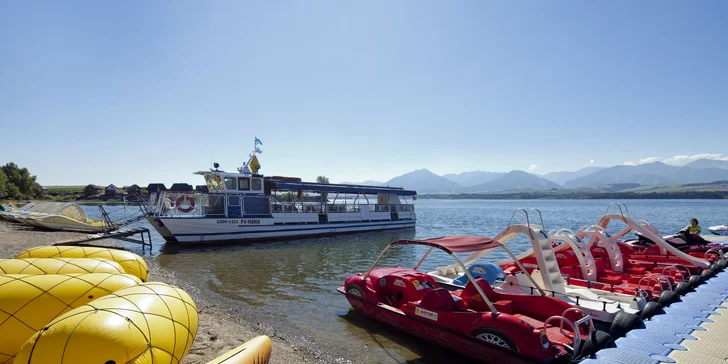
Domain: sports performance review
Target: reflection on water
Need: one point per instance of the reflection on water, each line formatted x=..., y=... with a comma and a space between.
x=292, y=284
x=297, y=271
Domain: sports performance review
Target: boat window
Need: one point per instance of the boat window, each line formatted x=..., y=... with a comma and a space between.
x=244, y=184
x=257, y=184
x=230, y=183
x=214, y=182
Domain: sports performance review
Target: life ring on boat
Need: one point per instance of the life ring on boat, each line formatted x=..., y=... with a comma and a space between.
x=189, y=200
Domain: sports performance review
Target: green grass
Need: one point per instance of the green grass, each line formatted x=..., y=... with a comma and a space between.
x=68, y=189
x=679, y=188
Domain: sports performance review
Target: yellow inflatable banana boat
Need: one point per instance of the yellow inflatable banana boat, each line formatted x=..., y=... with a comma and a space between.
x=149, y=323
x=256, y=351
x=29, y=302
x=132, y=263
x=59, y=266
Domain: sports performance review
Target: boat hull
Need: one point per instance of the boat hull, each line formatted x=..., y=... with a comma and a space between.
x=719, y=229
x=57, y=222
x=202, y=230
x=463, y=344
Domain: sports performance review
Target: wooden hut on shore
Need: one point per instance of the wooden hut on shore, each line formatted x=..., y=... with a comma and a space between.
x=92, y=190
x=134, y=189
x=155, y=187
x=111, y=190
x=181, y=187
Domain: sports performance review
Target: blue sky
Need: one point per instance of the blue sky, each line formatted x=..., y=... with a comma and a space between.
x=137, y=92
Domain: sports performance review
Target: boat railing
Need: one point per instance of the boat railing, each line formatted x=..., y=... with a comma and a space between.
x=339, y=208
x=295, y=208
x=618, y=206
x=527, y=219
x=380, y=208
x=403, y=208
x=152, y=201
x=392, y=208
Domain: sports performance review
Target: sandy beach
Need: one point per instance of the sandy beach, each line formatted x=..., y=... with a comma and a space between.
x=219, y=328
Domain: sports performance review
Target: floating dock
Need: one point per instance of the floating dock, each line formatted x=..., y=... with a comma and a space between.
x=692, y=330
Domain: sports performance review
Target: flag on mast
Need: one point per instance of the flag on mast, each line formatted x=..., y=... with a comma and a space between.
x=257, y=150
x=257, y=141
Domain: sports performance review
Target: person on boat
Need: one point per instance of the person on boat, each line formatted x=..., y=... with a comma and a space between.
x=694, y=228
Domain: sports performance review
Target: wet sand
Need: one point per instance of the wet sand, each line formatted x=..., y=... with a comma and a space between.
x=220, y=326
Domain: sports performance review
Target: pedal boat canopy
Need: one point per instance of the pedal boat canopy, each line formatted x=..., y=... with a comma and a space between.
x=455, y=243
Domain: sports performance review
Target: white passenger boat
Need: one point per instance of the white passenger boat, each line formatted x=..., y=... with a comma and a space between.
x=248, y=206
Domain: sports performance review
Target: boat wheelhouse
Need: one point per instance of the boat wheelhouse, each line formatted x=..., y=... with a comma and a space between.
x=246, y=205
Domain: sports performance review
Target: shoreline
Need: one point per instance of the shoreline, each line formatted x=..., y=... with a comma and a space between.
x=221, y=324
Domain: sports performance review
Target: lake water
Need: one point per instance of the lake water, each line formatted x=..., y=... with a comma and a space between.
x=291, y=285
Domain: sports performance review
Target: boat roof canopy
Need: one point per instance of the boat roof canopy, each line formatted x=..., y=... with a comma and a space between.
x=455, y=243
x=327, y=187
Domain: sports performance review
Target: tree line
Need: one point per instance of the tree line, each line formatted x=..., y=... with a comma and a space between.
x=17, y=183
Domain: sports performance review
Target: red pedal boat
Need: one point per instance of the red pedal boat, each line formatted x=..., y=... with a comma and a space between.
x=580, y=267
x=476, y=320
x=660, y=254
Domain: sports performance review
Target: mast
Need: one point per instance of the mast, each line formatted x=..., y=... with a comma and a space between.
x=253, y=162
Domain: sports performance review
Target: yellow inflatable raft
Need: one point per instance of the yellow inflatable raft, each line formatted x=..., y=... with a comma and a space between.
x=29, y=302
x=256, y=350
x=132, y=263
x=151, y=323
x=59, y=266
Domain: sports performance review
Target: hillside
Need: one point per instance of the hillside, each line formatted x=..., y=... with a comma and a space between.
x=472, y=178
x=562, y=177
x=715, y=190
x=514, y=180
x=424, y=181
x=649, y=173
x=708, y=163
x=605, y=179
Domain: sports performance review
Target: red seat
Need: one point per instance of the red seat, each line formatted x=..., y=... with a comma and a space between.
x=611, y=279
x=472, y=298
x=636, y=270
x=506, y=306
x=534, y=306
x=438, y=299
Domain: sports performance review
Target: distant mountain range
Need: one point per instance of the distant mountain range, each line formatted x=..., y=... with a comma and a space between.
x=563, y=177
x=649, y=174
x=424, y=181
x=708, y=163
x=514, y=180
x=469, y=179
